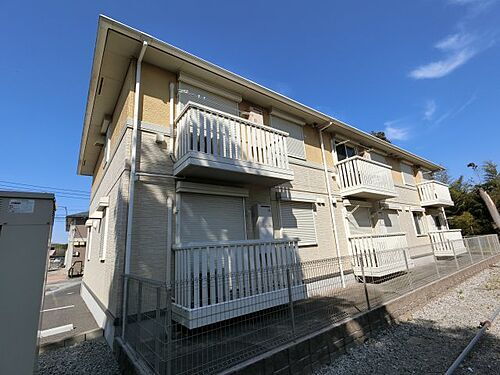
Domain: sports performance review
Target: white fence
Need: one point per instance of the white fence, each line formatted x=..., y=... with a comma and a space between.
x=372, y=249
x=434, y=193
x=357, y=174
x=221, y=280
x=447, y=242
x=219, y=134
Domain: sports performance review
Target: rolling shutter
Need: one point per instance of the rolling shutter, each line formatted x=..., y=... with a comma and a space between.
x=407, y=172
x=295, y=139
x=390, y=221
x=359, y=220
x=378, y=157
x=205, y=217
x=191, y=93
x=297, y=221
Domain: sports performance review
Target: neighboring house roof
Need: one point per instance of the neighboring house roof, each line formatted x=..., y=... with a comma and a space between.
x=79, y=215
x=116, y=43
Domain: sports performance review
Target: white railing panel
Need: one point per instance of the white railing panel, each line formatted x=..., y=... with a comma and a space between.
x=374, y=250
x=447, y=242
x=232, y=270
x=357, y=172
x=434, y=192
x=212, y=132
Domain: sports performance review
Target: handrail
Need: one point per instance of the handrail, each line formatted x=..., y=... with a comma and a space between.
x=378, y=235
x=356, y=157
x=444, y=231
x=191, y=104
x=181, y=246
x=427, y=182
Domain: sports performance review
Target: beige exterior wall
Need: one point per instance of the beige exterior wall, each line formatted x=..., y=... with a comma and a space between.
x=149, y=251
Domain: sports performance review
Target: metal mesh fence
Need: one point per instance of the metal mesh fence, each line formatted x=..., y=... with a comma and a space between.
x=208, y=324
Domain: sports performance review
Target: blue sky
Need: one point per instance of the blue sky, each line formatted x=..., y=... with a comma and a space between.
x=425, y=71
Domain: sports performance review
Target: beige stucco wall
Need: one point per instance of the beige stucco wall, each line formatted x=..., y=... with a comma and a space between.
x=155, y=94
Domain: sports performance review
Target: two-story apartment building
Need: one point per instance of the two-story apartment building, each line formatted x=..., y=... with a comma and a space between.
x=199, y=172
x=74, y=259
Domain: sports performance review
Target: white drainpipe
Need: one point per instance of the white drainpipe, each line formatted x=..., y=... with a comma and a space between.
x=332, y=212
x=131, y=192
x=171, y=117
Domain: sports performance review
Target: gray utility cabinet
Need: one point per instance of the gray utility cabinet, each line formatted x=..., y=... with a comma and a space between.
x=25, y=228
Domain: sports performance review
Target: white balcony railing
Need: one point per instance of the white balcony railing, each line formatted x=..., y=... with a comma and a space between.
x=365, y=178
x=447, y=242
x=381, y=254
x=222, y=280
x=214, y=139
x=434, y=193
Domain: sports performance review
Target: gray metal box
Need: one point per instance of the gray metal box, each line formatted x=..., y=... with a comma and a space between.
x=25, y=228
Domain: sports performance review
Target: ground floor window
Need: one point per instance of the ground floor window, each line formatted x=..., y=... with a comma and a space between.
x=418, y=220
x=297, y=221
x=205, y=217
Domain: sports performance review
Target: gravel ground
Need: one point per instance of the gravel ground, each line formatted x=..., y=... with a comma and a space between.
x=434, y=336
x=89, y=357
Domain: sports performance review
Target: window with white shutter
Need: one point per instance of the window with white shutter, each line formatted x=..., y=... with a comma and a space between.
x=378, y=157
x=359, y=220
x=389, y=221
x=297, y=221
x=295, y=139
x=195, y=94
x=205, y=217
x=103, y=231
x=407, y=172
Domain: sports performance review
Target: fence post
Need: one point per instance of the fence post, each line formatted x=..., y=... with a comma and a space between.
x=168, y=329
x=364, y=282
x=467, y=247
x=480, y=246
x=407, y=268
x=435, y=262
x=125, y=307
x=138, y=315
x=290, y=299
x=454, y=254
x=158, y=330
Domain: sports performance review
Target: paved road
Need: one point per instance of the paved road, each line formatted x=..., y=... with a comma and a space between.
x=63, y=306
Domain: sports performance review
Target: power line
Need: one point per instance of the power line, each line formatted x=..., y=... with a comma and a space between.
x=47, y=187
x=61, y=195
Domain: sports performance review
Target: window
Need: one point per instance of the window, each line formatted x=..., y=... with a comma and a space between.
x=107, y=146
x=344, y=151
x=418, y=220
x=103, y=229
x=205, y=217
x=407, y=172
x=190, y=93
x=297, y=221
x=359, y=220
x=89, y=242
x=378, y=157
x=295, y=139
x=389, y=221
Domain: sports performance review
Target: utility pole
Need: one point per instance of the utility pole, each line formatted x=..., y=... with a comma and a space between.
x=490, y=205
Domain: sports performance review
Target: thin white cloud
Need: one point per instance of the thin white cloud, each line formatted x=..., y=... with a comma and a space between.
x=394, y=132
x=430, y=109
x=454, y=112
x=455, y=42
x=443, y=67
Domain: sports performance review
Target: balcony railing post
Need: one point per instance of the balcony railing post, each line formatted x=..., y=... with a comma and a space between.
x=290, y=299
x=361, y=263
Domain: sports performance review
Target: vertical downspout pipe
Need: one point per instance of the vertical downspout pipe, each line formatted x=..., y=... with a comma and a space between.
x=131, y=191
x=330, y=201
x=170, y=202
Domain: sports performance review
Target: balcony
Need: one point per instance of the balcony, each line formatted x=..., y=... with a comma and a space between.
x=215, y=281
x=434, y=194
x=447, y=243
x=212, y=144
x=380, y=254
x=364, y=178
